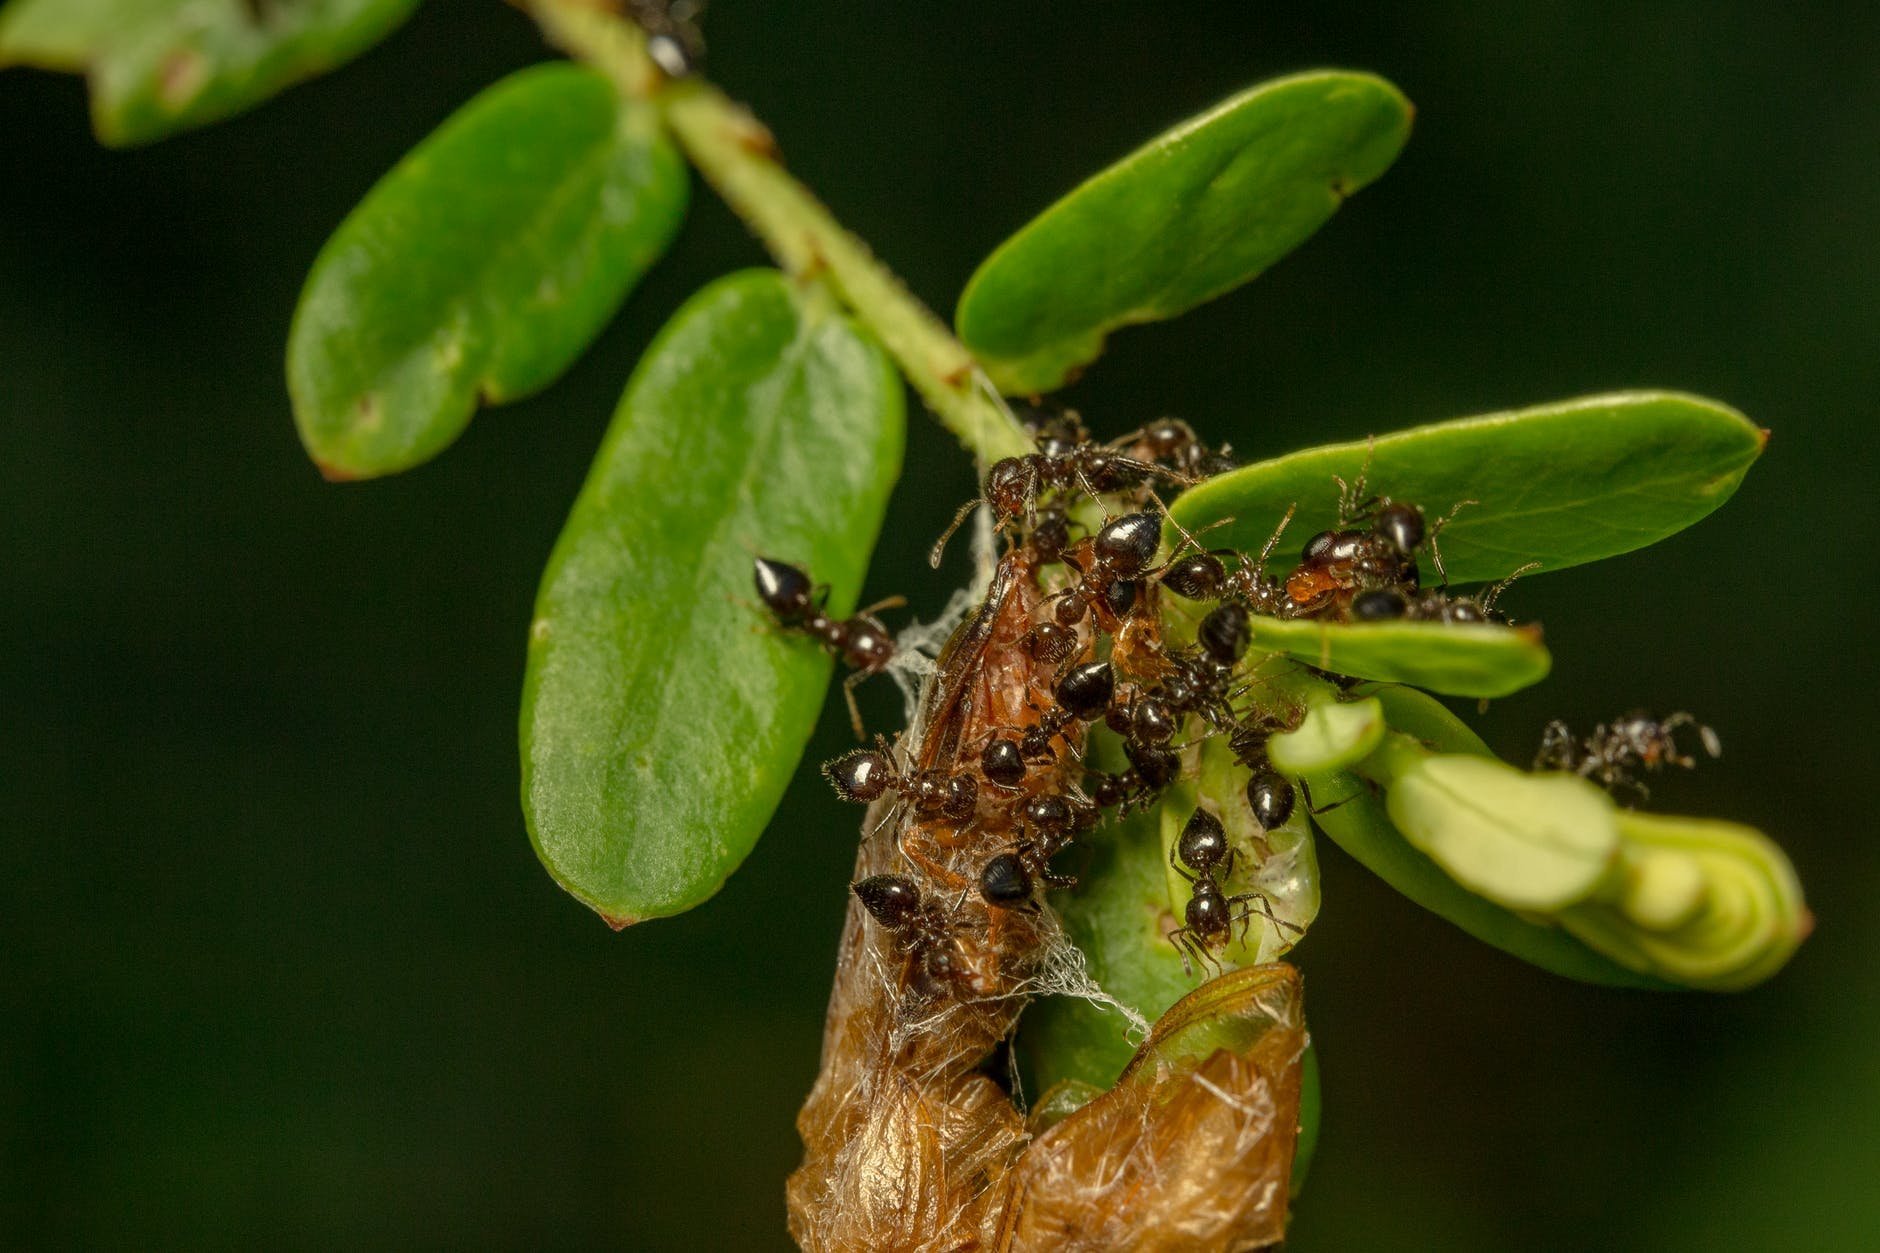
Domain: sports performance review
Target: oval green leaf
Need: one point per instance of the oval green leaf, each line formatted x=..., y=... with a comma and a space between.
x=662, y=716
x=1194, y=213
x=161, y=66
x=479, y=268
x=1353, y=815
x=1559, y=484
x=1455, y=658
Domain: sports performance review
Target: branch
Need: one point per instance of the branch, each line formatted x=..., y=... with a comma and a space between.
x=736, y=154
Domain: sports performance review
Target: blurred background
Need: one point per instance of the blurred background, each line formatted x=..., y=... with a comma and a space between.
x=277, y=965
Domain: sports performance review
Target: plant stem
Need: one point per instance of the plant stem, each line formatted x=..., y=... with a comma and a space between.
x=735, y=153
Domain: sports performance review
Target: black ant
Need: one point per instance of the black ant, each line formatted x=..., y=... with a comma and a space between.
x=1172, y=442
x=673, y=40
x=1152, y=767
x=1336, y=563
x=1064, y=462
x=1204, y=850
x=1269, y=794
x=922, y=933
x=865, y=774
x=861, y=640
x=1082, y=694
x=1052, y=822
x=1437, y=604
x=1614, y=753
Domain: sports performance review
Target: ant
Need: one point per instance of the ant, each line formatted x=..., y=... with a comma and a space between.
x=1338, y=562
x=922, y=933
x=863, y=775
x=1615, y=752
x=1206, y=861
x=1384, y=604
x=1082, y=694
x=1007, y=879
x=1064, y=461
x=861, y=640
x=1151, y=769
x=1173, y=442
x=672, y=34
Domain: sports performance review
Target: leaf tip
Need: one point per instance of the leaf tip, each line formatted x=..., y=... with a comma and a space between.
x=617, y=922
x=333, y=472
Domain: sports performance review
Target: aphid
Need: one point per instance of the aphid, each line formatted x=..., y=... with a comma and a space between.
x=1206, y=859
x=860, y=640
x=922, y=933
x=1616, y=753
x=865, y=774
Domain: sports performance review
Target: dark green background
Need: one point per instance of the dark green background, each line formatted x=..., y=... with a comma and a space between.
x=277, y=966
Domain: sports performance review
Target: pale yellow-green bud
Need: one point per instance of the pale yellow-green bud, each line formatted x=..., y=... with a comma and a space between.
x=1700, y=902
x=1536, y=843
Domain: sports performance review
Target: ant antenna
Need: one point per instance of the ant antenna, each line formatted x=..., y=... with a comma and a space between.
x=940, y=545
x=1494, y=593
x=1273, y=541
x=1351, y=498
x=1436, y=553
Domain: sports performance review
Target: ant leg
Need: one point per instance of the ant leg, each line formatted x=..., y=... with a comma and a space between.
x=855, y=710
x=1266, y=550
x=889, y=602
x=1316, y=810
x=1177, y=867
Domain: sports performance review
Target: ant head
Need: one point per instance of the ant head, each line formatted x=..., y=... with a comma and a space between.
x=1151, y=721
x=860, y=776
x=1127, y=544
x=1011, y=486
x=1004, y=881
x=783, y=588
x=1203, y=842
x=1168, y=437
x=1155, y=766
x=889, y=899
x=1050, y=643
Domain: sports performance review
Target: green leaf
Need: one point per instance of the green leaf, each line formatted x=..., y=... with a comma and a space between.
x=1454, y=658
x=1361, y=827
x=1194, y=213
x=479, y=268
x=662, y=716
x=1558, y=484
x=161, y=66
